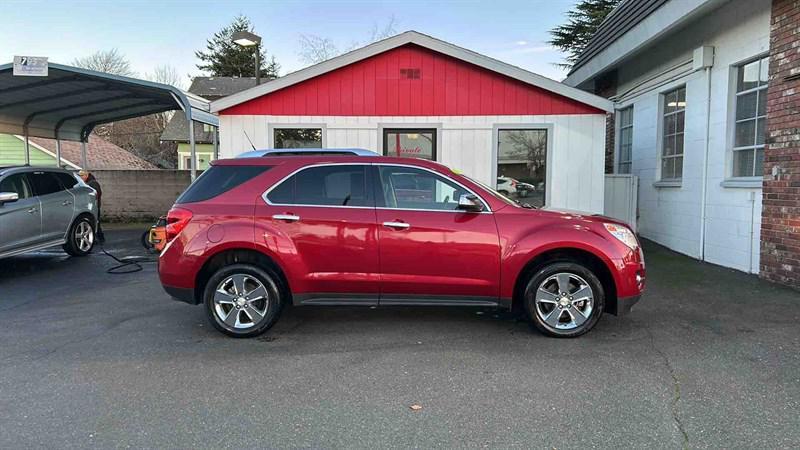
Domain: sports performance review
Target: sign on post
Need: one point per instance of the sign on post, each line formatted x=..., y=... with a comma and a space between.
x=30, y=66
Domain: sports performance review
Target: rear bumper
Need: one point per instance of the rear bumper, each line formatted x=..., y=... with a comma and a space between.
x=185, y=295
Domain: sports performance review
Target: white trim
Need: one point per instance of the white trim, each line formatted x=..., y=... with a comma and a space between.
x=413, y=37
x=39, y=147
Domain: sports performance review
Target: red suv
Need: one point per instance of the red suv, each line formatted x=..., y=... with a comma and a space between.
x=251, y=234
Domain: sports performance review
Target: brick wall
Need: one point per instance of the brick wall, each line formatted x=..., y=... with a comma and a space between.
x=606, y=86
x=131, y=195
x=780, y=220
x=610, y=130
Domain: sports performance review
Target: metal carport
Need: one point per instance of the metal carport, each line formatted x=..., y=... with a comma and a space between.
x=69, y=102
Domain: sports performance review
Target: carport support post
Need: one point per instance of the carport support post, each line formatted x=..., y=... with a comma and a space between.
x=193, y=162
x=58, y=152
x=215, y=143
x=27, y=149
x=84, y=163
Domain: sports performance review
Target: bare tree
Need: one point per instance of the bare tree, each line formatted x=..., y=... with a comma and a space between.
x=166, y=74
x=315, y=49
x=108, y=61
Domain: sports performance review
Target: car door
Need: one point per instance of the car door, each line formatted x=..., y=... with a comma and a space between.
x=325, y=218
x=20, y=221
x=430, y=251
x=57, y=204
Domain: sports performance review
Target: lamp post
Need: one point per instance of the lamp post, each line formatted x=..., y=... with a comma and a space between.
x=248, y=39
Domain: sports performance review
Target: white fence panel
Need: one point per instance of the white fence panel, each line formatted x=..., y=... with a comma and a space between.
x=621, y=198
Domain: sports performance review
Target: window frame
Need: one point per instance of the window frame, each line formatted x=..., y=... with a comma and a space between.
x=406, y=130
x=550, y=133
x=271, y=128
x=369, y=188
x=760, y=89
x=618, y=140
x=662, y=133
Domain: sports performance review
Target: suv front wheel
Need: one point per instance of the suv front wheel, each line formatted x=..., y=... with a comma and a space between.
x=242, y=300
x=564, y=299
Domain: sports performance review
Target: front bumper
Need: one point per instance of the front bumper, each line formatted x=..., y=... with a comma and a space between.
x=625, y=304
x=185, y=295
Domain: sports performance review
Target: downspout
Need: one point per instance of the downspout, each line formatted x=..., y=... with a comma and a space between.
x=704, y=190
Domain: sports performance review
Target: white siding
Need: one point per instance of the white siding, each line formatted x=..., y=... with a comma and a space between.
x=464, y=142
x=738, y=31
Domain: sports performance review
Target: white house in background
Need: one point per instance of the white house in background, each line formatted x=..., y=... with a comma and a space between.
x=689, y=80
x=413, y=95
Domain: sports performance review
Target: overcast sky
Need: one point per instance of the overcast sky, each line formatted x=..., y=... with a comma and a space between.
x=167, y=32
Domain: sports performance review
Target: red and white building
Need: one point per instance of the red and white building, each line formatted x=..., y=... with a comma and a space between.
x=413, y=95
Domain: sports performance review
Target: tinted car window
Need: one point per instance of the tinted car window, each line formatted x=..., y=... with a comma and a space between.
x=16, y=183
x=410, y=188
x=44, y=183
x=217, y=180
x=67, y=180
x=339, y=185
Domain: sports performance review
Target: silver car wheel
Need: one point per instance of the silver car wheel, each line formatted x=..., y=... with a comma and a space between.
x=84, y=236
x=241, y=301
x=564, y=301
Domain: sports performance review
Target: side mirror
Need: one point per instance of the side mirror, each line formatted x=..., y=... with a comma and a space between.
x=8, y=197
x=469, y=202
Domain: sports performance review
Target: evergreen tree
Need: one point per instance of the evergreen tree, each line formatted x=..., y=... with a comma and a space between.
x=224, y=58
x=582, y=22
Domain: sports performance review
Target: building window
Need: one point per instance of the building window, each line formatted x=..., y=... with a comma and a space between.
x=625, y=150
x=410, y=143
x=522, y=164
x=751, y=115
x=673, y=125
x=298, y=138
x=208, y=128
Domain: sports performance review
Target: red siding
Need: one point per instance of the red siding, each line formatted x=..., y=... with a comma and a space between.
x=445, y=87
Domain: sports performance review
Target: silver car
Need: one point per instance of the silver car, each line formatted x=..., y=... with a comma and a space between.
x=45, y=207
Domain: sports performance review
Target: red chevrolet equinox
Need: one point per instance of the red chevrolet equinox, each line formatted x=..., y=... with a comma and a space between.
x=251, y=234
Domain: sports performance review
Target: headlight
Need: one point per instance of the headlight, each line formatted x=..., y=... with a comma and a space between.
x=623, y=233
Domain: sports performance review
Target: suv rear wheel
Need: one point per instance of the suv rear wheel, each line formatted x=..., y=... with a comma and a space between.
x=242, y=300
x=80, y=238
x=564, y=299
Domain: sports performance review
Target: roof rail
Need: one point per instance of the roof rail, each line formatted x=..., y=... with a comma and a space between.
x=307, y=152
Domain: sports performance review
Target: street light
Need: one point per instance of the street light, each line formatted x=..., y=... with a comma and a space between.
x=248, y=39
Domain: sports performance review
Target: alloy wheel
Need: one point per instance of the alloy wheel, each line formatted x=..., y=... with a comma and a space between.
x=564, y=301
x=241, y=301
x=84, y=236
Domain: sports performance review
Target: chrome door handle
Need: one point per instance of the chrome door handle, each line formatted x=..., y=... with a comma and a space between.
x=66, y=203
x=396, y=225
x=286, y=217
x=32, y=210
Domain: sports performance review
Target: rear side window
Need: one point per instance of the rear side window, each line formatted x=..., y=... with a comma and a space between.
x=338, y=185
x=217, y=180
x=45, y=183
x=67, y=180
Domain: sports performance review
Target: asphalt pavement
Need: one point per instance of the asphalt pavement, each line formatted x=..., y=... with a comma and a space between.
x=709, y=358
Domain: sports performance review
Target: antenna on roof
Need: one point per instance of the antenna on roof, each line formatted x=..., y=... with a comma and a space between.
x=248, y=139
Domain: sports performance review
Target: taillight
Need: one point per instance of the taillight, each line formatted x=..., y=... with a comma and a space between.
x=177, y=219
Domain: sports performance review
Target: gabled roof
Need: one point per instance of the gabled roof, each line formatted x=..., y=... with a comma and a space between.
x=100, y=154
x=422, y=40
x=213, y=88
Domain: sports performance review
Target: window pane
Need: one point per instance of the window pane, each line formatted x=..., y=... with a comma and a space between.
x=761, y=133
x=669, y=124
x=745, y=133
x=679, y=121
x=67, y=180
x=669, y=145
x=667, y=165
x=681, y=97
x=764, y=75
x=670, y=102
x=625, y=136
x=298, y=138
x=410, y=143
x=44, y=183
x=16, y=183
x=283, y=193
x=410, y=188
x=625, y=153
x=521, y=164
x=759, y=169
x=626, y=117
x=624, y=168
x=678, y=168
x=679, y=144
x=331, y=186
x=762, y=102
x=746, y=106
x=743, y=163
x=748, y=76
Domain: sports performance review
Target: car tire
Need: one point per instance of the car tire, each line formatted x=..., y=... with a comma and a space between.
x=556, y=314
x=80, y=237
x=242, y=300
